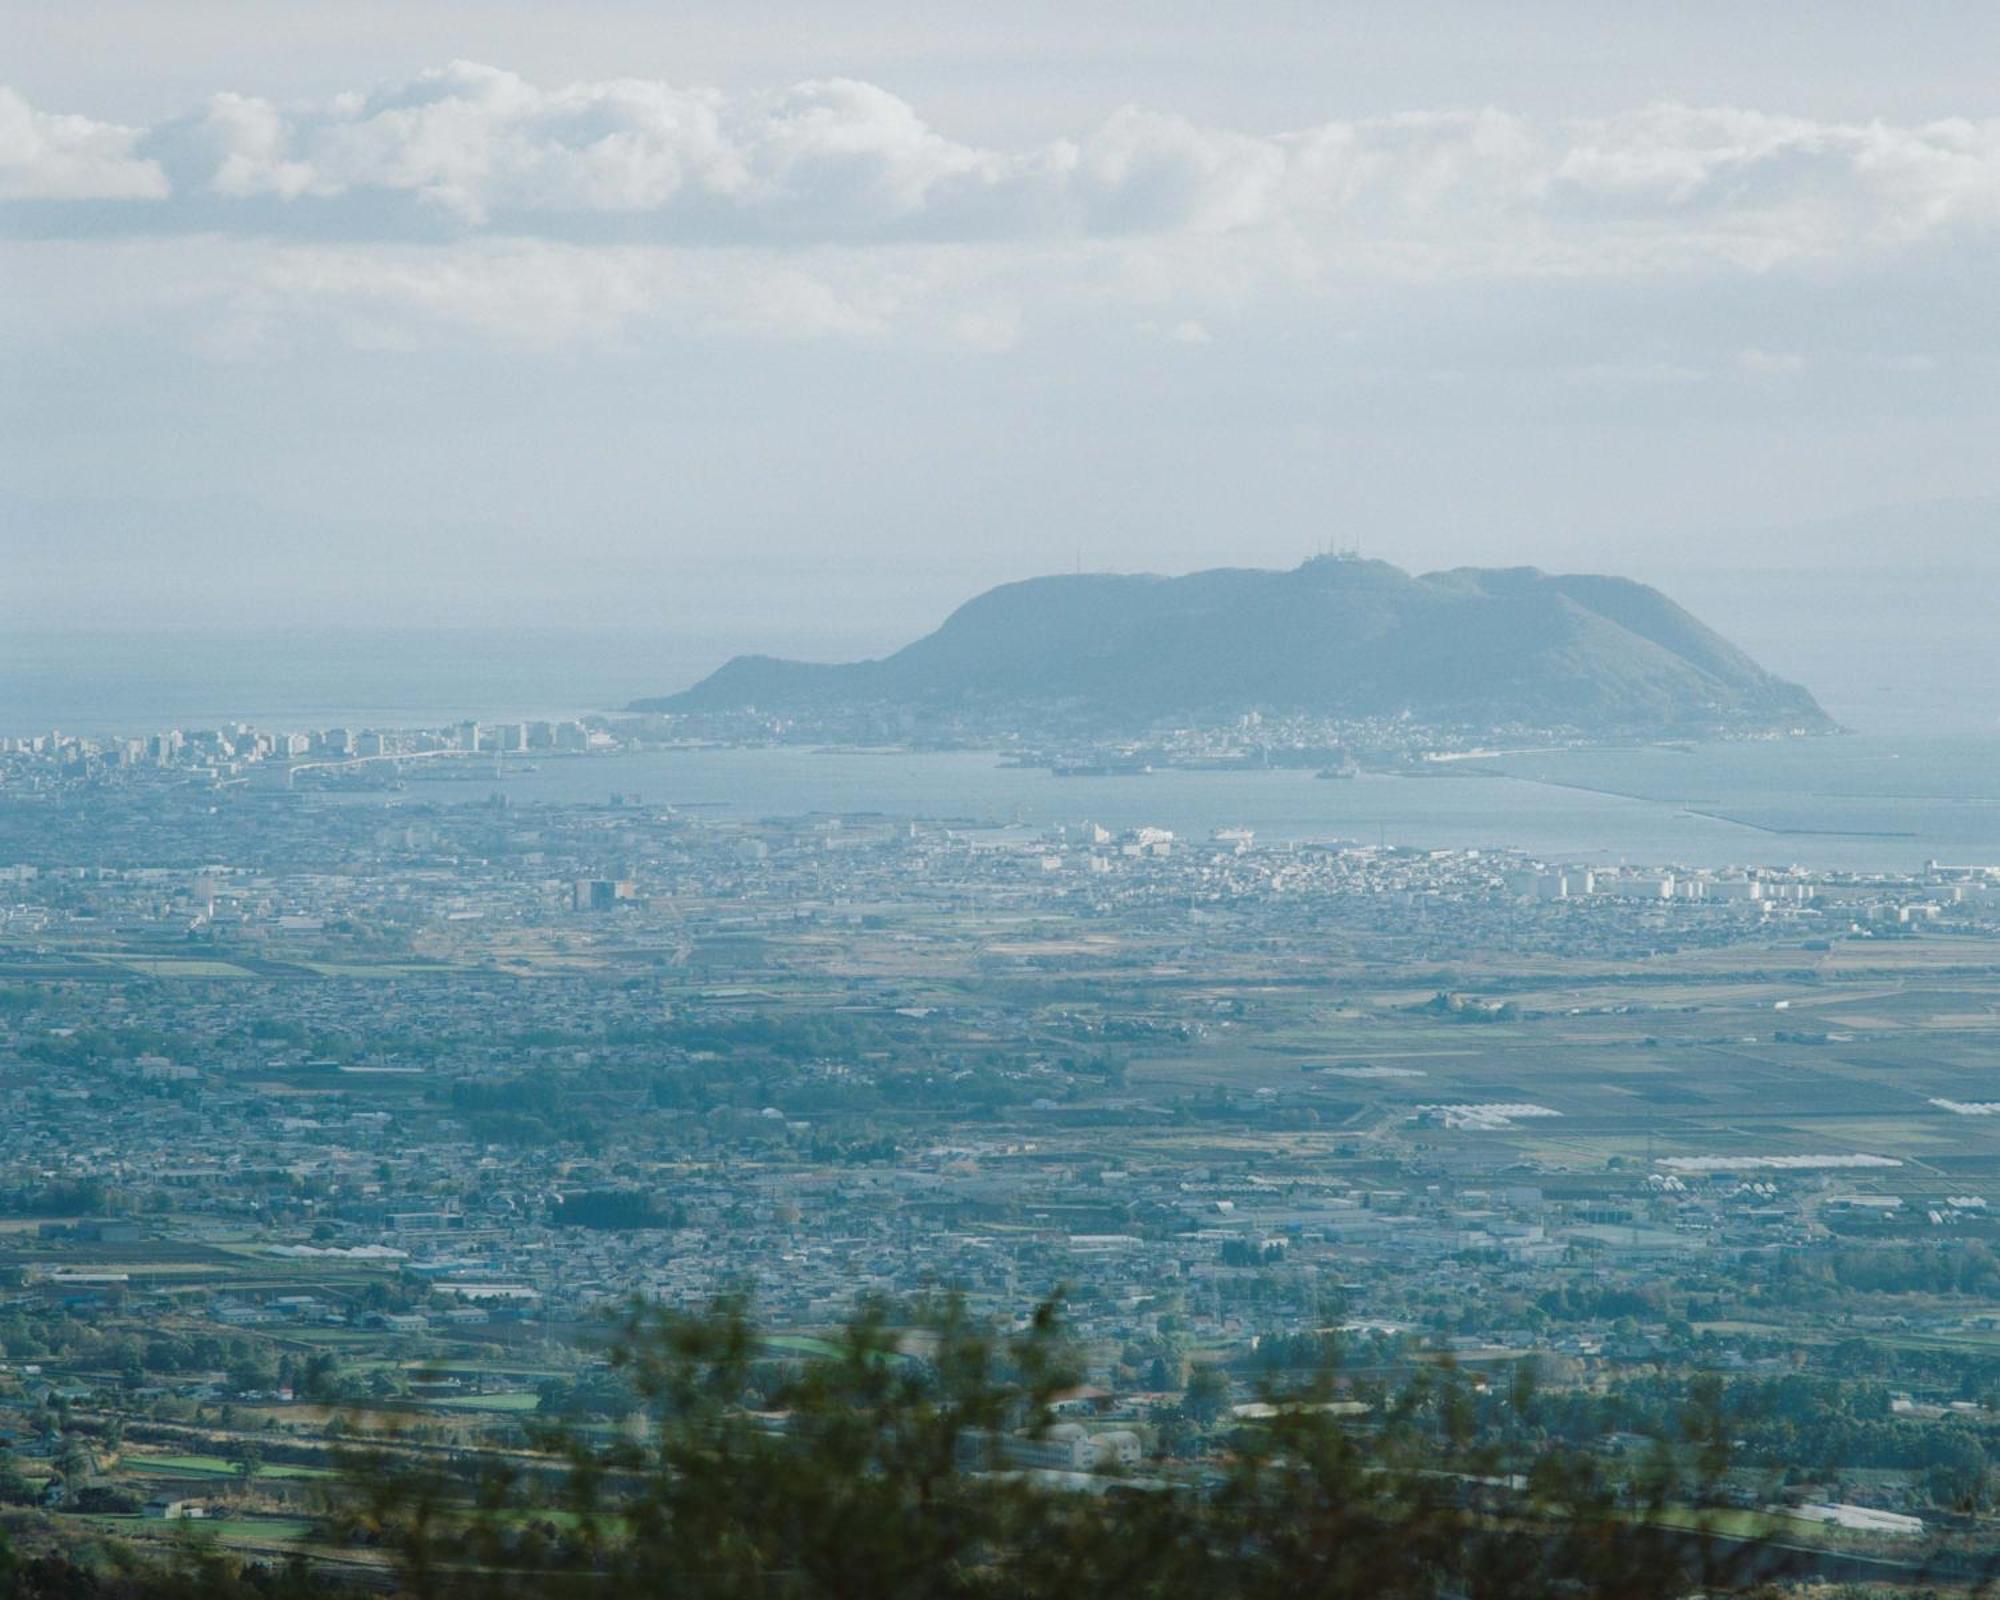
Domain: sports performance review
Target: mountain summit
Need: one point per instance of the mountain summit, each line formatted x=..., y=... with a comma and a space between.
x=1337, y=636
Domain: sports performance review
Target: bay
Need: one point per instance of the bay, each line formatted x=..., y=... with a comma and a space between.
x=1848, y=804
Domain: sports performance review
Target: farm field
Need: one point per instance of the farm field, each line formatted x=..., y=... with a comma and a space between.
x=206, y=1466
x=1850, y=1063
x=518, y=1400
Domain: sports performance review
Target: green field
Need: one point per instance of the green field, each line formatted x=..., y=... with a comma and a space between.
x=158, y=967
x=506, y=1400
x=803, y=1344
x=228, y=1530
x=212, y=1467
x=258, y=1530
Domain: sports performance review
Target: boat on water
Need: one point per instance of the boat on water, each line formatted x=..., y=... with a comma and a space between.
x=456, y=772
x=1101, y=769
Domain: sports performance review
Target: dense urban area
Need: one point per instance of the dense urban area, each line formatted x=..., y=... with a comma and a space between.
x=332, y=1110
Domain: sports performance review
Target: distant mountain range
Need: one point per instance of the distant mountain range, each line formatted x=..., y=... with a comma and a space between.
x=1337, y=636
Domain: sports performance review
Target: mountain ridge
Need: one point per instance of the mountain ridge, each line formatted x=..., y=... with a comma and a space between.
x=1335, y=636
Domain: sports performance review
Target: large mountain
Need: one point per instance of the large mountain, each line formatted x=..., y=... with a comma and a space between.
x=1337, y=636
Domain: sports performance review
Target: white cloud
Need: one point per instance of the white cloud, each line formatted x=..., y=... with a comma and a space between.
x=538, y=295
x=482, y=148
x=245, y=139
x=1186, y=331
x=468, y=201
x=1146, y=173
x=1770, y=363
x=1779, y=187
x=45, y=157
x=840, y=154
x=472, y=148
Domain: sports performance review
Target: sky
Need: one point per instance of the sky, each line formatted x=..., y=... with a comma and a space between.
x=806, y=321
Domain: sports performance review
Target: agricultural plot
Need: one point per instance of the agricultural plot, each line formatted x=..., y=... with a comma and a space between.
x=1713, y=1060
x=515, y=1401
x=207, y=1466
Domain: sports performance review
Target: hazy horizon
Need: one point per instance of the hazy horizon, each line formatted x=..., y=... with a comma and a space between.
x=403, y=674
x=1836, y=625
x=648, y=322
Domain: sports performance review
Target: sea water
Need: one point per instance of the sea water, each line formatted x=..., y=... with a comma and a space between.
x=1874, y=801
x=1843, y=803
